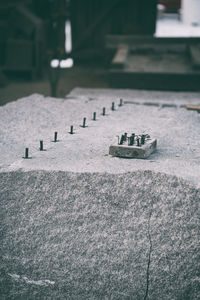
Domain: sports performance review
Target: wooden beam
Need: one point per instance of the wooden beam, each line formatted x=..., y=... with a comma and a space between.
x=193, y=107
x=112, y=41
x=195, y=56
x=120, y=57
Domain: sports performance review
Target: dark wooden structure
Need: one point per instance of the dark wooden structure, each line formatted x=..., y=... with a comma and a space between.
x=92, y=20
x=171, y=6
x=32, y=32
x=21, y=39
x=155, y=63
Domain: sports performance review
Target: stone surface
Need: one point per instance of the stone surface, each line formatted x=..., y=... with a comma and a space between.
x=98, y=236
x=27, y=121
x=142, y=151
x=74, y=223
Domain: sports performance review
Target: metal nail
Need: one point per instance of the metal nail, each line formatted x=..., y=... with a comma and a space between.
x=121, y=102
x=104, y=111
x=138, y=142
x=143, y=139
x=26, y=154
x=71, y=129
x=94, y=116
x=125, y=136
x=55, y=136
x=121, y=140
x=41, y=146
x=113, y=106
x=132, y=139
x=84, y=122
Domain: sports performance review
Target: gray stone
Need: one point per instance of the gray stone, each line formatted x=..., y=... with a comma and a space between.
x=125, y=151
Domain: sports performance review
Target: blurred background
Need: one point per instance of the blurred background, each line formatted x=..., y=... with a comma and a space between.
x=52, y=46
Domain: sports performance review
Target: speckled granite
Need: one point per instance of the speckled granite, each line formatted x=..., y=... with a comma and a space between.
x=98, y=236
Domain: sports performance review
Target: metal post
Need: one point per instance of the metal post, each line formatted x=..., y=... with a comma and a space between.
x=94, y=116
x=55, y=136
x=26, y=153
x=41, y=146
x=121, y=102
x=71, y=129
x=84, y=122
x=143, y=139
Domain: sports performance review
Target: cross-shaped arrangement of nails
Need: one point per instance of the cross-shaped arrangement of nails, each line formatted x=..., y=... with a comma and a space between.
x=133, y=146
x=55, y=140
x=133, y=140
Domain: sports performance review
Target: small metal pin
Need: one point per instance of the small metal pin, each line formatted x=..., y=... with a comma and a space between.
x=55, y=137
x=84, y=123
x=138, y=142
x=104, y=111
x=71, y=129
x=125, y=136
x=41, y=146
x=121, y=102
x=94, y=116
x=143, y=139
x=132, y=139
x=26, y=154
x=113, y=106
x=121, y=140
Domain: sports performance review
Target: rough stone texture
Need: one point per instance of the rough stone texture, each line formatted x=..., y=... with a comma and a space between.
x=113, y=235
x=98, y=236
x=27, y=121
